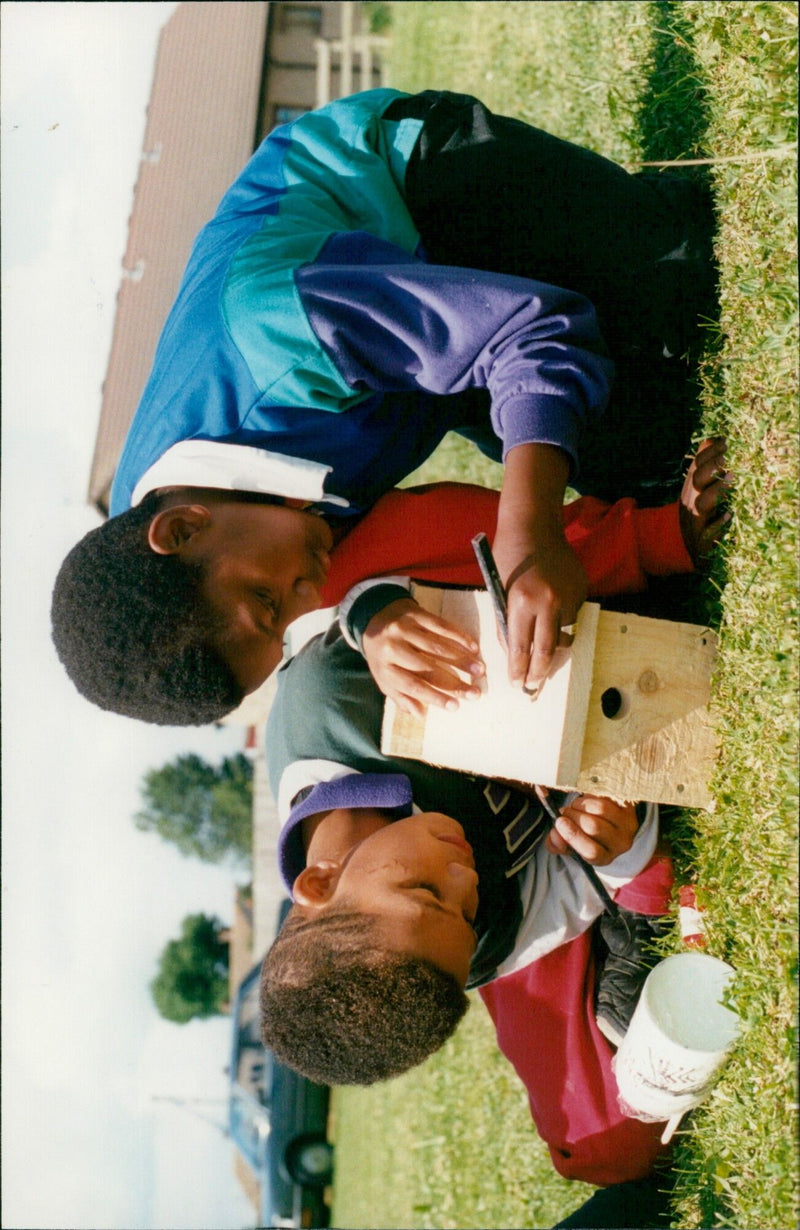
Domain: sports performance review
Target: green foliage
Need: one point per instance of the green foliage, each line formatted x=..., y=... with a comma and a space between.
x=205, y=811
x=192, y=978
x=656, y=81
x=377, y=16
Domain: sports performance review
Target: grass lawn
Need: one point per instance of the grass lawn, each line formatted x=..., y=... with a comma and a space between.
x=451, y=1144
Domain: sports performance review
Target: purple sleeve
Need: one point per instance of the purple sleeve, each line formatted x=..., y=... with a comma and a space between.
x=393, y=323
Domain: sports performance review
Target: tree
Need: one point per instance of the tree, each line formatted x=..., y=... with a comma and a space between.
x=203, y=810
x=192, y=978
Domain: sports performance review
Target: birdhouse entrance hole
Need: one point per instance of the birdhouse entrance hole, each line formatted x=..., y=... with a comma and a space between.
x=611, y=703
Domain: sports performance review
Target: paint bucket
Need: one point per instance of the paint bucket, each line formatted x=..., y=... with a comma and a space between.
x=677, y=1041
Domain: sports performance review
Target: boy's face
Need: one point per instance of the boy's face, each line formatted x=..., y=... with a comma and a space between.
x=265, y=565
x=418, y=877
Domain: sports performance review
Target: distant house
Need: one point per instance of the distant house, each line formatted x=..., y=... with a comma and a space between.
x=225, y=75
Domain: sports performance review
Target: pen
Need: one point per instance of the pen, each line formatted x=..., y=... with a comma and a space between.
x=491, y=579
x=609, y=904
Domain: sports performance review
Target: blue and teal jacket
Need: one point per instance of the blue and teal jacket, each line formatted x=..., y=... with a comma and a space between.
x=308, y=322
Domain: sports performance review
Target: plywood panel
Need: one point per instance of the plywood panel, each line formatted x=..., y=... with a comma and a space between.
x=504, y=733
x=658, y=744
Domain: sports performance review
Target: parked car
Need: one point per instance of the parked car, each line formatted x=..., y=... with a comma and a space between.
x=278, y=1120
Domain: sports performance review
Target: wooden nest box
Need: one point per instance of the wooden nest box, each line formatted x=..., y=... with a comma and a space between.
x=623, y=713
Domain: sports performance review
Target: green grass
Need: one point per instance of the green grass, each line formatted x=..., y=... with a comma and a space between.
x=451, y=1144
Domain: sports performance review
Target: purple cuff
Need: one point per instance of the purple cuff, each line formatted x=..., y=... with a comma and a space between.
x=530, y=419
x=390, y=792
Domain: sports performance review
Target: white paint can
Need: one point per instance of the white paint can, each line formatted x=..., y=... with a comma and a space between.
x=677, y=1041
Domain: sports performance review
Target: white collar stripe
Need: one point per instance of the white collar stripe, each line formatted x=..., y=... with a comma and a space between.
x=237, y=467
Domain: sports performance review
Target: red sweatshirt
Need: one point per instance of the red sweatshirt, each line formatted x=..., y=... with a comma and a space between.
x=426, y=532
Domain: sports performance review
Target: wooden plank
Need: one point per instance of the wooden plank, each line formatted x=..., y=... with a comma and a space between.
x=429, y=597
x=579, y=690
x=503, y=733
x=660, y=745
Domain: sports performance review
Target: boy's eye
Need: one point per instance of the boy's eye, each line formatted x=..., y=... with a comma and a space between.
x=267, y=601
x=431, y=888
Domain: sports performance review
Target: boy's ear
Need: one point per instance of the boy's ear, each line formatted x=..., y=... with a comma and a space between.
x=172, y=528
x=316, y=884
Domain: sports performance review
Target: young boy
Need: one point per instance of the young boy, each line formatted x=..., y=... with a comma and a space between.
x=366, y=285
x=395, y=912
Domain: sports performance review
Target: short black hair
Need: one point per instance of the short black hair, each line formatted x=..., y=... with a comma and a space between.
x=132, y=629
x=342, y=1009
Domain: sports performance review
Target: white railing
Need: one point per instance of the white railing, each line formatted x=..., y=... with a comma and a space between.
x=353, y=54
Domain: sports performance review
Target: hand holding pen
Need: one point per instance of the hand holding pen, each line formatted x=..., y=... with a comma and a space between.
x=574, y=829
x=491, y=578
x=545, y=582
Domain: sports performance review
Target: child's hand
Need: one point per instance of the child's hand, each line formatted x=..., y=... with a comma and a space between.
x=704, y=488
x=544, y=580
x=598, y=829
x=546, y=584
x=414, y=657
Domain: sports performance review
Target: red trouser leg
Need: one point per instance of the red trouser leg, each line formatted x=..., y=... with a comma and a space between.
x=544, y=1018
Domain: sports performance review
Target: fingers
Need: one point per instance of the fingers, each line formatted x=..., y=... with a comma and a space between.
x=532, y=645
x=557, y=633
x=408, y=657
x=435, y=638
x=709, y=453
x=413, y=691
x=705, y=488
x=599, y=830
x=536, y=629
x=555, y=843
x=708, y=498
x=708, y=472
x=440, y=628
x=425, y=655
x=711, y=534
x=416, y=630
x=414, y=680
x=543, y=652
x=427, y=669
x=708, y=466
x=418, y=659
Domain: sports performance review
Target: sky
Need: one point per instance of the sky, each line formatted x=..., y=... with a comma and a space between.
x=88, y=901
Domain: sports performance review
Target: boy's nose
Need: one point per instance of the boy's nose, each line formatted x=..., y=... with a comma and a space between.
x=307, y=593
x=465, y=878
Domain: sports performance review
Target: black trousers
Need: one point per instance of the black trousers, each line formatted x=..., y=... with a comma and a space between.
x=493, y=193
x=643, y=1204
